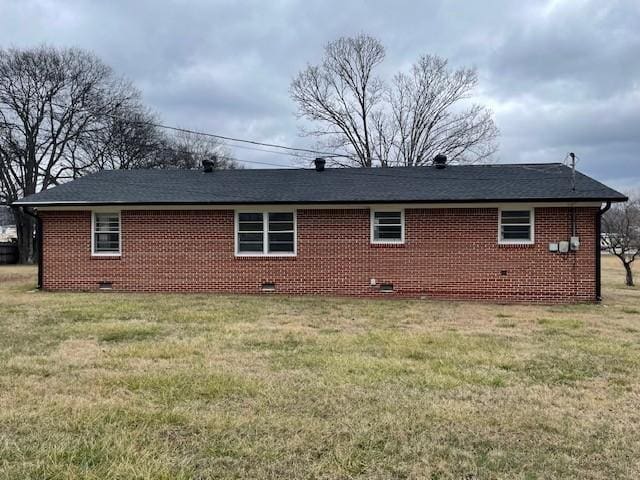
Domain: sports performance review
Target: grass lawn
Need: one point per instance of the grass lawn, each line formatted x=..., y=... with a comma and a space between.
x=203, y=386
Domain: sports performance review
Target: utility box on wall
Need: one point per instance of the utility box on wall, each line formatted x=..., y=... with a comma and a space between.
x=574, y=243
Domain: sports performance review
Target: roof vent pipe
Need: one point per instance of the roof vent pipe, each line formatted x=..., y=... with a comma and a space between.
x=319, y=162
x=440, y=161
x=209, y=165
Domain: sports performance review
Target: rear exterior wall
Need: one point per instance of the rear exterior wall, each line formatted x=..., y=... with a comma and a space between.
x=448, y=253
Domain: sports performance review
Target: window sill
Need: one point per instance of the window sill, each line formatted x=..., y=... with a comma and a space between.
x=106, y=256
x=387, y=244
x=263, y=256
x=516, y=244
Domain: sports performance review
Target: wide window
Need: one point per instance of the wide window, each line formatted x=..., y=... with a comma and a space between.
x=106, y=233
x=265, y=233
x=516, y=226
x=387, y=226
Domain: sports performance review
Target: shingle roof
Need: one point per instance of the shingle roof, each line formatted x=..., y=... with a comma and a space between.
x=463, y=183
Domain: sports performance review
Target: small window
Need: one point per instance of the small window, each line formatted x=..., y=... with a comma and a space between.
x=387, y=226
x=265, y=233
x=106, y=233
x=516, y=226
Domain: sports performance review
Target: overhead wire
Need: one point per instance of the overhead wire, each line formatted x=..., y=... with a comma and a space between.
x=297, y=152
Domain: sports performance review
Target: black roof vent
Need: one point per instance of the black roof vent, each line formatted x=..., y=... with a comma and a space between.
x=440, y=161
x=209, y=165
x=319, y=162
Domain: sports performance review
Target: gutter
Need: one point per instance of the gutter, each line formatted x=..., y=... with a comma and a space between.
x=39, y=242
x=598, y=253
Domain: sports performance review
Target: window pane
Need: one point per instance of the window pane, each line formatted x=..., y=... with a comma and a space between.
x=388, y=217
x=281, y=247
x=279, y=222
x=516, y=216
x=107, y=242
x=281, y=242
x=516, y=232
x=250, y=222
x=250, y=217
x=281, y=237
x=388, y=221
x=250, y=247
x=281, y=217
x=250, y=232
x=107, y=222
x=250, y=237
x=280, y=226
x=249, y=227
x=388, y=232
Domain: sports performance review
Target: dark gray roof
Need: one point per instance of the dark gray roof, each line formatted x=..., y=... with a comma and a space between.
x=464, y=183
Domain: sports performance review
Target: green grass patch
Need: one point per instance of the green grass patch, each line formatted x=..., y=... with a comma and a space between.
x=172, y=387
x=128, y=333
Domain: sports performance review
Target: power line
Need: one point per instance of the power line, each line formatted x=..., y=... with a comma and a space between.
x=365, y=171
x=226, y=138
x=298, y=150
x=274, y=152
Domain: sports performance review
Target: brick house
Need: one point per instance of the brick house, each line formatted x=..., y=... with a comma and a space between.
x=504, y=233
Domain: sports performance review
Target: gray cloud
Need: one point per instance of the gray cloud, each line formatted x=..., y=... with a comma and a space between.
x=560, y=76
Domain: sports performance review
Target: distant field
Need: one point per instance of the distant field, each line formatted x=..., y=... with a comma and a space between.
x=122, y=386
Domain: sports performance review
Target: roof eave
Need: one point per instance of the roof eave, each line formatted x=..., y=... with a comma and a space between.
x=320, y=202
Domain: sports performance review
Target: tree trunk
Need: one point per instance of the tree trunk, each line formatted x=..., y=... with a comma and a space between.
x=629, y=279
x=26, y=245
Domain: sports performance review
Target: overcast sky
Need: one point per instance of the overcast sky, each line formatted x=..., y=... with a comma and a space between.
x=560, y=75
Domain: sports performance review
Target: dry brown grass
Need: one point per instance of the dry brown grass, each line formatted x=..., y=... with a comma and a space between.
x=202, y=386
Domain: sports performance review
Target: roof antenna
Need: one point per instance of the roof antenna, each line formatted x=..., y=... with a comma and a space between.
x=573, y=170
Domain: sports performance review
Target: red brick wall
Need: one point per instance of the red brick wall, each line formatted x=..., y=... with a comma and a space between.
x=448, y=253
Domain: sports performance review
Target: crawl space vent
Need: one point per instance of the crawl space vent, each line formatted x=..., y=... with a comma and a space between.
x=386, y=287
x=268, y=287
x=105, y=286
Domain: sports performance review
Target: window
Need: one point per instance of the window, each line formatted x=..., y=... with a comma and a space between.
x=387, y=226
x=281, y=232
x=265, y=233
x=250, y=233
x=516, y=226
x=106, y=233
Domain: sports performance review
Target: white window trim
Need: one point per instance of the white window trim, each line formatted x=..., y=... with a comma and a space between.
x=93, y=234
x=372, y=225
x=265, y=233
x=532, y=213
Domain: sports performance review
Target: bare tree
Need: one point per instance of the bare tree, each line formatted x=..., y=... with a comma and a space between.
x=128, y=139
x=417, y=116
x=621, y=227
x=50, y=100
x=188, y=150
